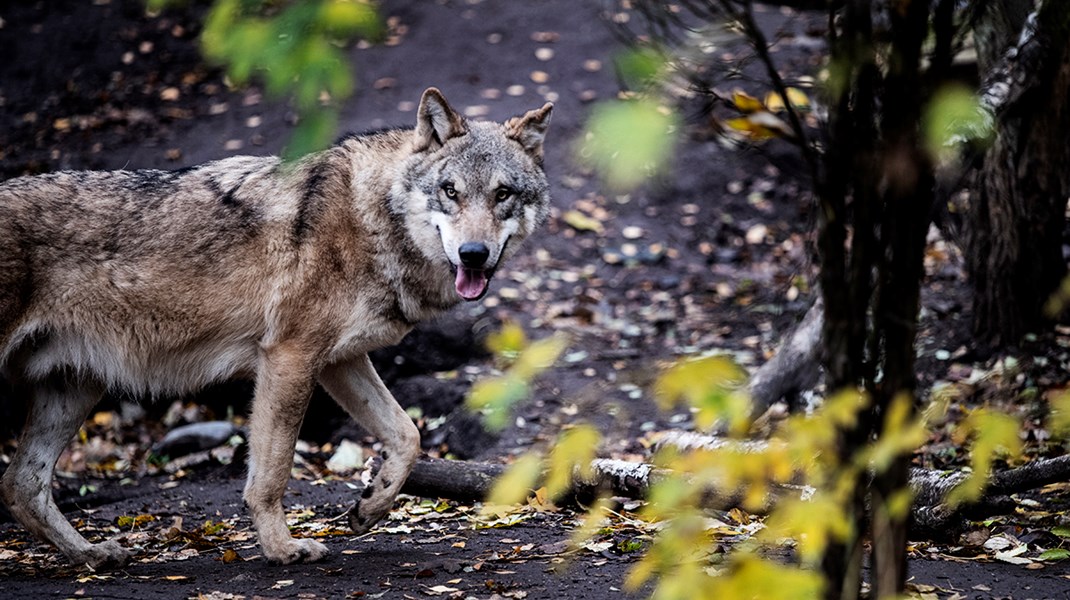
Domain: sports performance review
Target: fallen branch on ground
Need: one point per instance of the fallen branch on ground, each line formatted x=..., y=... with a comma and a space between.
x=471, y=481
x=795, y=367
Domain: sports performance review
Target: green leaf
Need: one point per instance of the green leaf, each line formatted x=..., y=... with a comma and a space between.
x=343, y=18
x=1055, y=554
x=954, y=116
x=629, y=140
x=1062, y=531
x=638, y=68
x=313, y=132
x=495, y=396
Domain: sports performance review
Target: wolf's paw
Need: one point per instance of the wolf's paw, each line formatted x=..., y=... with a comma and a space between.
x=361, y=519
x=102, y=556
x=296, y=550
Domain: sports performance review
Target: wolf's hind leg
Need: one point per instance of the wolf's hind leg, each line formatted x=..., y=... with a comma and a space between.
x=357, y=388
x=57, y=408
x=283, y=388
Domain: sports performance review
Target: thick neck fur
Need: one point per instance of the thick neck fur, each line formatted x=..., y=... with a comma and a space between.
x=362, y=234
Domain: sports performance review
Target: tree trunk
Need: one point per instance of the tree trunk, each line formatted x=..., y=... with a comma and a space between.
x=1016, y=217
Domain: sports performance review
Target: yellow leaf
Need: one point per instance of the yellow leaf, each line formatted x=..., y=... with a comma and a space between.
x=1060, y=413
x=573, y=453
x=693, y=380
x=516, y=483
x=798, y=98
x=539, y=356
x=993, y=434
x=843, y=407
x=899, y=503
x=760, y=126
x=132, y=522
x=230, y=556
x=753, y=577
x=581, y=222
x=345, y=17
x=104, y=419
x=745, y=102
x=774, y=102
x=539, y=500
x=508, y=340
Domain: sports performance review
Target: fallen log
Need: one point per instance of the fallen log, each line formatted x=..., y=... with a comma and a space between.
x=796, y=366
x=472, y=481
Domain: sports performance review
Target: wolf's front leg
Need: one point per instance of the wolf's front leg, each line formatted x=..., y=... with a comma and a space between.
x=283, y=387
x=58, y=407
x=357, y=388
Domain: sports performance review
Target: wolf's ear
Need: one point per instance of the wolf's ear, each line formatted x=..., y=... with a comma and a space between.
x=436, y=122
x=530, y=129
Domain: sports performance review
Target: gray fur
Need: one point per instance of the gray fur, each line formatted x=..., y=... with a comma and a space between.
x=155, y=282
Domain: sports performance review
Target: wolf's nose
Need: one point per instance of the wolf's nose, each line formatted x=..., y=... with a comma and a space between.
x=474, y=254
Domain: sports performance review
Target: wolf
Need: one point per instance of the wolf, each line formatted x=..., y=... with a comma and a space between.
x=162, y=282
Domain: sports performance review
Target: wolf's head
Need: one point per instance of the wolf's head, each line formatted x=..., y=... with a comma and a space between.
x=472, y=191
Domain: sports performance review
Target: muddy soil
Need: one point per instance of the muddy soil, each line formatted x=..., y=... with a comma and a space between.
x=681, y=267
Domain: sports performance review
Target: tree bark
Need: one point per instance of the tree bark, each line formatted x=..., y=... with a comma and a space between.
x=1016, y=218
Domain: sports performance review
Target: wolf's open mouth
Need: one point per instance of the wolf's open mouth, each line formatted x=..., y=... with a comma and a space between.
x=472, y=284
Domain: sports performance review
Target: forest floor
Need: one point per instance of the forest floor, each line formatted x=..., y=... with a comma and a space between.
x=714, y=256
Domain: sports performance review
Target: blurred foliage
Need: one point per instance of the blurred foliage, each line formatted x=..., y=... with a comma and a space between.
x=295, y=49
x=713, y=386
x=994, y=434
x=570, y=457
x=495, y=396
x=954, y=116
x=630, y=139
x=1060, y=414
x=685, y=556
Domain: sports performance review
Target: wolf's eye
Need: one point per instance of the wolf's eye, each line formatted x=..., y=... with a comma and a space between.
x=503, y=194
x=451, y=192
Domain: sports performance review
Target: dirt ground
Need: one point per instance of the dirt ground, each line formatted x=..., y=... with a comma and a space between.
x=712, y=256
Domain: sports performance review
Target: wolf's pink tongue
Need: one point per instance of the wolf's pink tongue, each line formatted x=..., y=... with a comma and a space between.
x=471, y=283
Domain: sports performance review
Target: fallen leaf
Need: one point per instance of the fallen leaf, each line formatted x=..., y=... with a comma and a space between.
x=582, y=222
x=1014, y=556
x=774, y=102
x=438, y=590
x=745, y=102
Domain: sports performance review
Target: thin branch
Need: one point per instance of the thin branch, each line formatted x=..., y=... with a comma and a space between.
x=745, y=16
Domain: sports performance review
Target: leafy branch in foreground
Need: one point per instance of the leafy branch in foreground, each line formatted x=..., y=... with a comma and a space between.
x=687, y=556
x=295, y=48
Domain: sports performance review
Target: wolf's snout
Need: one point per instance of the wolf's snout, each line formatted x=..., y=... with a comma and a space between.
x=473, y=274
x=474, y=255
